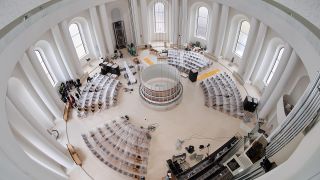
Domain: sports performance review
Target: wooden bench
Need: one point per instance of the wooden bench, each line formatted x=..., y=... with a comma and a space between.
x=74, y=155
x=66, y=111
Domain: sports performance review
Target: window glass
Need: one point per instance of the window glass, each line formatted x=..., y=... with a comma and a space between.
x=159, y=18
x=202, y=22
x=274, y=66
x=44, y=66
x=77, y=40
x=242, y=38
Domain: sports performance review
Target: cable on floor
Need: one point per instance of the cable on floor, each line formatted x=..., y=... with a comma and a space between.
x=70, y=143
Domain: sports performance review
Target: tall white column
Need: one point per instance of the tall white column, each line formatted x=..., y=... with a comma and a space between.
x=214, y=27
x=278, y=90
x=56, y=33
x=136, y=23
x=97, y=31
x=184, y=21
x=70, y=48
x=254, y=24
x=38, y=140
x=106, y=28
x=39, y=87
x=175, y=21
x=276, y=76
x=222, y=30
x=36, y=155
x=145, y=22
x=256, y=49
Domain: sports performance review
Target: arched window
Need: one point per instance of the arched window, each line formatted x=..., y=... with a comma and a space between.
x=42, y=59
x=77, y=40
x=159, y=18
x=242, y=36
x=274, y=66
x=202, y=22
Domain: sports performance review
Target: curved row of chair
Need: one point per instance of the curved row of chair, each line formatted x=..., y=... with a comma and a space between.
x=184, y=61
x=222, y=94
x=121, y=146
x=100, y=93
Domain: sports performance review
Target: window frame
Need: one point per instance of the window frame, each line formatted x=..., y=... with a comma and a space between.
x=83, y=42
x=237, y=42
x=42, y=59
x=156, y=20
x=197, y=23
x=272, y=68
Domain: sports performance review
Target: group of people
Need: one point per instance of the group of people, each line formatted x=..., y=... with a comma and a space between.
x=65, y=91
x=117, y=54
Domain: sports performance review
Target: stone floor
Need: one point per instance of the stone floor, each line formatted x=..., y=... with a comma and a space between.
x=190, y=121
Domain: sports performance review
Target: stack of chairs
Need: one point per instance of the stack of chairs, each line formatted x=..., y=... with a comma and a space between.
x=184, y=61
x=121, y=146
x=221, y=93
x=100, y=93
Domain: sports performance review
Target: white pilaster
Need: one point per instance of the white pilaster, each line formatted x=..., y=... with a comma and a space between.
x=56, y=33
x=145, y=22
x=136, y=23
x=184, y=22
x=97, y=31
x=106, y=28
x=38, y=140
x=276, y=76
x=278, y=90
x=175, y=21
x=256, y=49
x=222, y=30
x=214, y=27
x=39, y=87
x=70, y=48
x=254, y=23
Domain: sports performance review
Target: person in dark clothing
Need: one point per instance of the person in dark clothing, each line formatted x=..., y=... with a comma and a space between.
x=89, y=79
x=78, y=90
x=77, y=96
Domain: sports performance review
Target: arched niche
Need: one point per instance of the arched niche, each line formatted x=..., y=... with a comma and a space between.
x=232, y=36
x=23, y=99
x=274, y=44
x=160, y=37
x=193, y=22
x=87, y=36
x=45, y=48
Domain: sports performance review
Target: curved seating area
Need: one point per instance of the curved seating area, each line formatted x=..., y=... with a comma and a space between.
x=222, y=94
x=121, y=146
x=184, y=61
x=100, y=93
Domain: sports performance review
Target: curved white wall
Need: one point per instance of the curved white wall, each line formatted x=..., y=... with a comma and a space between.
x=309, y=9
x=11, y=9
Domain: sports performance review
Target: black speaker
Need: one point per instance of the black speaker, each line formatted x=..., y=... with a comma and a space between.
x=250, y=104
x=193, y=75
x=105, y=68
x=115, y=69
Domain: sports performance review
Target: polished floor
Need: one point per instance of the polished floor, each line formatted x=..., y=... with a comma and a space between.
x=190, y=121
